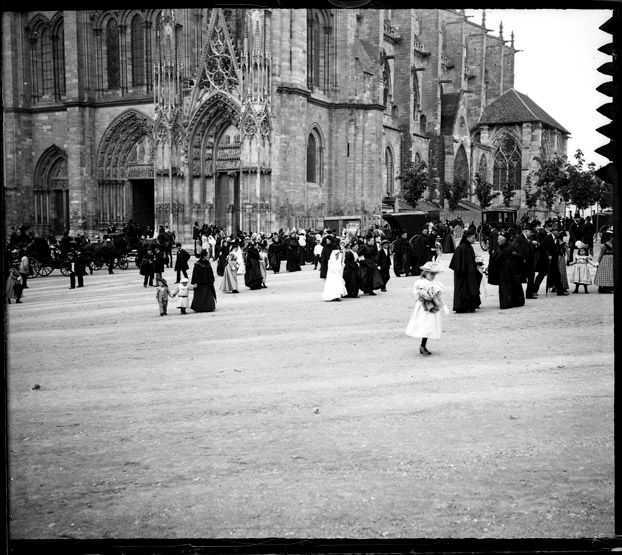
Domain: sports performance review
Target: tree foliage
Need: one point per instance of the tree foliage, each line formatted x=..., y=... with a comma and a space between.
x=454, y=192
x=583, y=190
x=508, y=193
x=415, y=181
x=551, y=179
x=483, y=192
x=531, y=196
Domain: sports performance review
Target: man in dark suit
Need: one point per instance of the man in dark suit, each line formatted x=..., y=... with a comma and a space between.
x=549, y=263
x=181, y=261
x=524, y=249
x=383, y=260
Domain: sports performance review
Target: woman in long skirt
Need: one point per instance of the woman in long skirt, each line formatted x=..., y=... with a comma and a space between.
x=604, y=273
x=334, y=287
x=204, y=299
x=229, y=283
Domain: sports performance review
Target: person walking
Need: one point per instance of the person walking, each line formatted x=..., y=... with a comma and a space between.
x=467, y=277
x=181, y=262
x=223, y=254
x=426, y=318
x=158, y=263
x=292, y=247
x=383, y=260
x=275, y=251
x=334, y=287
x=604, y=273
x=146, y=268
x=78, y=269
x=253, y=278
x=327, y=249
x=204, y=299
x=229, y=283
x=351, y=270
x=587, y=234
x=162, y=296
x=524, y=248
x=581, y=274
x=503, y=271
x=24, y=270
x=182, y=293
x=14, y=287
x=400, y=253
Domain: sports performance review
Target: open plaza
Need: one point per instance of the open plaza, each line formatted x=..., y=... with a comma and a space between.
x=279, y=415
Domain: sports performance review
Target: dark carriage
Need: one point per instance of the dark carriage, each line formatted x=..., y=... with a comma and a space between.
x=500, y=218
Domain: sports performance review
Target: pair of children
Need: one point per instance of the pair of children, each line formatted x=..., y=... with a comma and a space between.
x=163, y=294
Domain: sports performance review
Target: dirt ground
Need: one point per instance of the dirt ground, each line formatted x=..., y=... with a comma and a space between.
x=281, y=415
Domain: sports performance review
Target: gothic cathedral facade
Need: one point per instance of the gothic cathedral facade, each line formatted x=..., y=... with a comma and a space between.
x=257, y=119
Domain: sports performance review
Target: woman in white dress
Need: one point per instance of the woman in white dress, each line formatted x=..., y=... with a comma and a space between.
x=426, y=318
x=334, y=287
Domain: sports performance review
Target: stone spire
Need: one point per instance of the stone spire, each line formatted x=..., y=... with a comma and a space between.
x=484, y=19
x=501, y=30
x=512, y=37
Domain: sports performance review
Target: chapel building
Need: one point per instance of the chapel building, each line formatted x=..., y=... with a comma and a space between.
x=256, y=119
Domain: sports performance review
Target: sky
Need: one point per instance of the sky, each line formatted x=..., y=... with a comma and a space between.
x=557, y=67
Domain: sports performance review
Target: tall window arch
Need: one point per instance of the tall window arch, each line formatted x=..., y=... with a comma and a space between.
x=51, y=193
x=422, y=123
x=47, y=67
x=507, y=164
x=390, y=170
x=112, y=54
x=483, y=168
x=386, y=78
x=138, y=51
x=461, y=166
x=314, y=157
x=58, y=58
x=415, y=95
x=319, y=32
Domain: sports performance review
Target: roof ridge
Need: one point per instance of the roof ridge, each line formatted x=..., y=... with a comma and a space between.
x=525, y=104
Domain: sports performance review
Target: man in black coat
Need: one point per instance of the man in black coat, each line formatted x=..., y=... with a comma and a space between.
x=524, y=248
x=467, y=277
x=401, y=249
x=420, y=251
x=181, y=262
x=589, y=229
x=78, y=269
x=383, y=260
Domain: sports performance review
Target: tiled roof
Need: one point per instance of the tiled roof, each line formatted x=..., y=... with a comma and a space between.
x=515, y=107
x=450, y=103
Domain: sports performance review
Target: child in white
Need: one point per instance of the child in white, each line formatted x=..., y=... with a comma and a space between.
x=183, y=290
x=581, y=263
x=426, y=318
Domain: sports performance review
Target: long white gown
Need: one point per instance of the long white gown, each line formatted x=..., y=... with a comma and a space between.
x=423, y=323
x=335, y=287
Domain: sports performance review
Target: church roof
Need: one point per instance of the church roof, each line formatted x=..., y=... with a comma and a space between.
x=450, y=103
x=515, y=107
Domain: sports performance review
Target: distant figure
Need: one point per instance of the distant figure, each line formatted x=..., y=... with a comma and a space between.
x=204, y=299
x=162, y=296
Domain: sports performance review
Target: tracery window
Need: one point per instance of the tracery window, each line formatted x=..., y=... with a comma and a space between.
x=112, y=54
x=507, y=165
x=47, y=68
x=314, y=158
x=138, y=51
x=461, y=166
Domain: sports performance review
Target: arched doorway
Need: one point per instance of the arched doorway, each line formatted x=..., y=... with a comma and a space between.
x=51, y=191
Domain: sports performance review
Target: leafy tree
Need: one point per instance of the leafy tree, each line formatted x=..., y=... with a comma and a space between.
x=605, y=194
x=551, y=179
x=582, y=188
x=531, y=197
x=483, y=192
x=454, y=192
x=415, y=181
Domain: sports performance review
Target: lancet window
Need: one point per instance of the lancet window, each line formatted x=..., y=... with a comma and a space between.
x=319, y=34
x=390, y=170
x=314, y=157
x=47, y=58
x=138, y=51
x=112, y=54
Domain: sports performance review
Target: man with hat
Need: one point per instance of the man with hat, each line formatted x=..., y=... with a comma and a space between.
x=181, y=262
x=383, y=260
x=523, y=249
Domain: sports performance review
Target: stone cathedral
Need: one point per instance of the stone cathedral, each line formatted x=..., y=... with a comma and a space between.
x=257, y=119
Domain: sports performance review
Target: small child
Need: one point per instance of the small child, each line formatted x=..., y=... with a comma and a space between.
x=426, y=318
x=581, y=271
x=162, y=295
x=317, y=251
x=182, y=292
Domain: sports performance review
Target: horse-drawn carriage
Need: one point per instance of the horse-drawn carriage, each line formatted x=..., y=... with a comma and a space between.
x=500, y=218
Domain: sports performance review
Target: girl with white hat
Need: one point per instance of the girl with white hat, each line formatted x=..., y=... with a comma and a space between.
x=581, y=264
x=426, y=318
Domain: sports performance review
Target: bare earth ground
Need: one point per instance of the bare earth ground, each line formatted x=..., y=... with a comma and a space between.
x=282, y=415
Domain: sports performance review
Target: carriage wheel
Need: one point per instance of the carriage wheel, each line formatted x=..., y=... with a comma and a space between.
x=483, y=242
x=97, y=264
x=122, y=262
x=34, y=265
x=65, y=268
x=45, y=269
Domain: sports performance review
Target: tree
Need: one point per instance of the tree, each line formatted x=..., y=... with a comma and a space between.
x=454, y=193
x=551, y=179
x=531, y=197
x=582, y=188
x=483, y=192
x=415, y=182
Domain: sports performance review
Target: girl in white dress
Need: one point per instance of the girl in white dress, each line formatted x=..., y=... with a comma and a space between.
x=335, y=287
x=426, y=318
x=581, y=264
